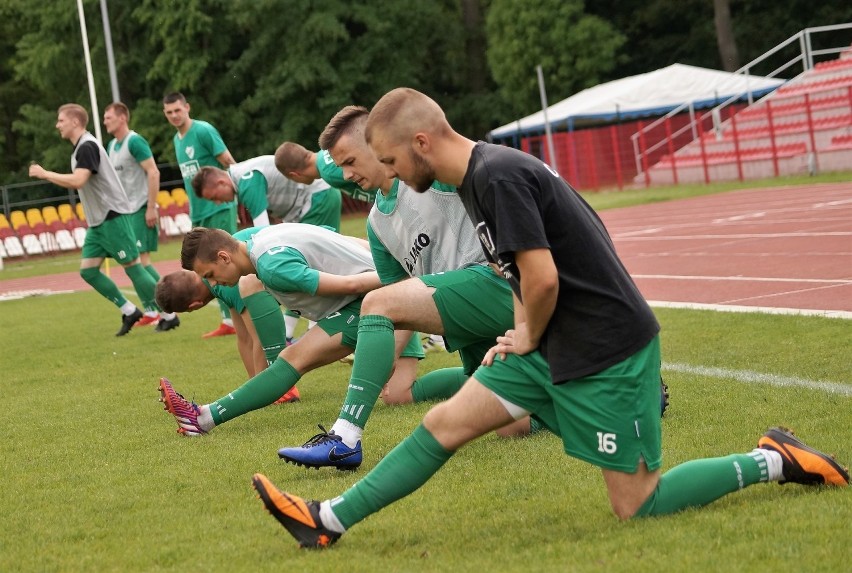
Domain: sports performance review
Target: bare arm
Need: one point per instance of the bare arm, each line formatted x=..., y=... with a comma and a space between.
x=246, y=343
x=153, y=175
x=225, y=159
x=362, y=283
x=539, y=289
x=73, y=180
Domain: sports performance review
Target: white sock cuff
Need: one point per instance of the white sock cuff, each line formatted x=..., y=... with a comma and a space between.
x=771, y=468
x=349, y=432
x=328, y=519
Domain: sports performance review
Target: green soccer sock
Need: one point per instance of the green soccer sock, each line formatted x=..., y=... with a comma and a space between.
x=374, y=354
x=153, y=272
x=699, y=482
x=408, y=466
x=439, y=384
x=103, y=285
x=268, y=321
x=258, y=392
x=144, y=284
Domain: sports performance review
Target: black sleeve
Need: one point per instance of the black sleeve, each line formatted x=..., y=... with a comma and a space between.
x=88, y=156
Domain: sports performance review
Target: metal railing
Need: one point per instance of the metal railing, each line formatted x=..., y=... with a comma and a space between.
x=643, y=149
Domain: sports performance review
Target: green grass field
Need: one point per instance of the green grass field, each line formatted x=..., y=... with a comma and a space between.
x=96, y=479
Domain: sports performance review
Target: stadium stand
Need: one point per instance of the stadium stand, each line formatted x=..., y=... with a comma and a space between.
x=803, y=126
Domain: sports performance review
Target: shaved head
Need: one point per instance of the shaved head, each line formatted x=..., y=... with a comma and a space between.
x=402, y=112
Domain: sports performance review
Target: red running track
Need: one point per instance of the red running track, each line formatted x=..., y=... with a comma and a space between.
x=782, y=249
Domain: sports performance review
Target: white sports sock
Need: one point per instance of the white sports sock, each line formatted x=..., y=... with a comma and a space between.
x=228, y=322
x=328, y=519
x=205, y=418
x=128, y=308
x=774, y=464
x=167, y=315
x=151, y=313
x=290, y=323
x=349, y=432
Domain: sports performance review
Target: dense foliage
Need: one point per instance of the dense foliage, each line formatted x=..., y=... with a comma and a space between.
x=266, y=71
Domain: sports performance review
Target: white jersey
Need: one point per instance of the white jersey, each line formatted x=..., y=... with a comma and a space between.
x=323, y=250
x=286, y=199
x=133, y=177
x=426, y=232
x=103, y=192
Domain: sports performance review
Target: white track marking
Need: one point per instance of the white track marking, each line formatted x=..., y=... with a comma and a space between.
x=755, y=309
x=751, y=377
x=738, y=236
x=740, y=217
x=746, y=279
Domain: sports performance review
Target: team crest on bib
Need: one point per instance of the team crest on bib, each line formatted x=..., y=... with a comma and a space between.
x=190, y=152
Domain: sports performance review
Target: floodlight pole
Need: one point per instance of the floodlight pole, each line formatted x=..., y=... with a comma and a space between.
x=547, y=133
x=95, y=113
x=113, y=78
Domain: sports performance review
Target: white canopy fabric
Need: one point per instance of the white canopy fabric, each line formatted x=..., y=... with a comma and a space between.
x=649, y=94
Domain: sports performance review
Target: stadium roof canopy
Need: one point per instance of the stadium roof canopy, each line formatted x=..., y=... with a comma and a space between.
x=650, y=94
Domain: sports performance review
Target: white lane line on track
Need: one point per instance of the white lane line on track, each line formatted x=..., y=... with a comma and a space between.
x=744, y=279
x=751, y=377
x=755, y=309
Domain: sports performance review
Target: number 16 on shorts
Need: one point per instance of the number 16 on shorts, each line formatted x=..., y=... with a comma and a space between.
x=606, y=443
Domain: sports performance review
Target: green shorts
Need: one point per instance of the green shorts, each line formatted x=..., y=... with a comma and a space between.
x=476, y=307
x=610, y=419
x=226, y=219
x=112, y=238
x=346, y=320
x=147, y=238
x=325, y=209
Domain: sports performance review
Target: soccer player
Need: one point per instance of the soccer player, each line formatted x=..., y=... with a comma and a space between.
x=309, y=269
x=108, y=213
x=583, y=353
x=455, y=293
x=134, y=163
x=296, y=162
x=197, y=143
x=257, y=320
x=264, y=191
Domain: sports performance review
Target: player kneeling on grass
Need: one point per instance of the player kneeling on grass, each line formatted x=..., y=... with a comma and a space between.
x=309, y=269
x=584, y=353
x=258, y=320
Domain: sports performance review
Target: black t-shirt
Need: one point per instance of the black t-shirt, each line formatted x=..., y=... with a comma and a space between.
x=88, y=156
x=518, y=203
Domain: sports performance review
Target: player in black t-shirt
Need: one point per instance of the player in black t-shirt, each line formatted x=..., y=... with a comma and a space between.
x=583, y=356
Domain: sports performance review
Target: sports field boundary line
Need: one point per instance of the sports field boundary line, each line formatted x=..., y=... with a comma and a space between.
x=842, y=314
x=752, y=377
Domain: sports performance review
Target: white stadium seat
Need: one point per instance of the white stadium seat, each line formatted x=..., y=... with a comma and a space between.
x=32, y=245
x=13, y=246
x=79, y=236
x=183, y=222
x=65, y=240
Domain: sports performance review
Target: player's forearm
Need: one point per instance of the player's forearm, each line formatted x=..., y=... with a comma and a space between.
x=67, y=180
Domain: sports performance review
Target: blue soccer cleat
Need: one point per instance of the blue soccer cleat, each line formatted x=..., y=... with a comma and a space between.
x=324, y=450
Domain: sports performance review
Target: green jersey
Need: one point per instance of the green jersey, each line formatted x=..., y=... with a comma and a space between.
x=198, y=148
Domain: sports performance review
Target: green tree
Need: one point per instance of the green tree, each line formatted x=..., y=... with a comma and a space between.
x=574, y=49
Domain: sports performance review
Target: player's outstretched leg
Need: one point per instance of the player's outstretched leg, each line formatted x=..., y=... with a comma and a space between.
x=801, y=463
x=323, y=450
x=298, y=516
x=185, y=412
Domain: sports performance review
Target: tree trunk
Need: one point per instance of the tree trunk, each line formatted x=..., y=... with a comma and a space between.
x=725, y=35
x=477, y=73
